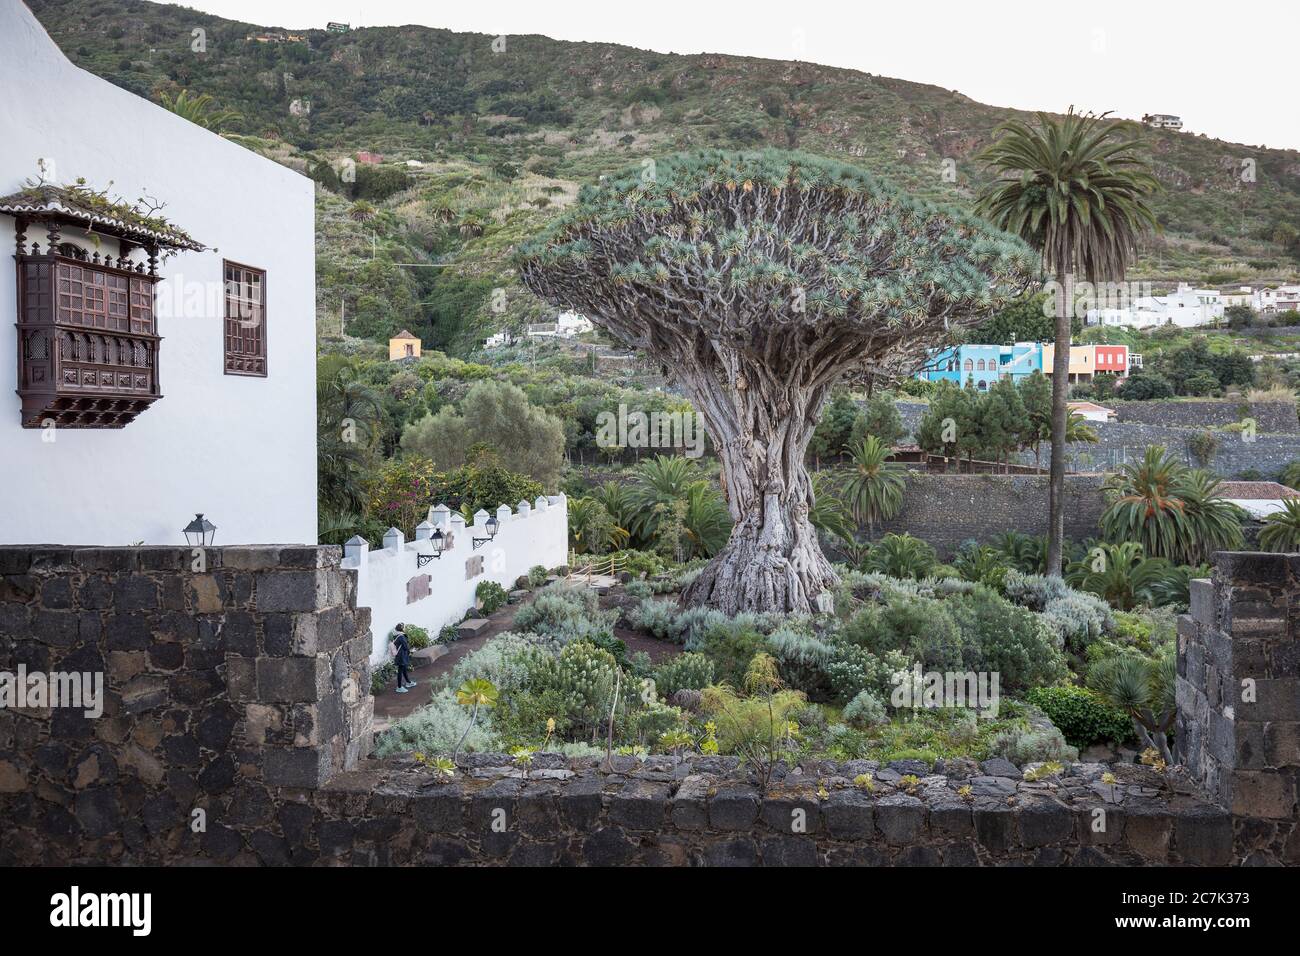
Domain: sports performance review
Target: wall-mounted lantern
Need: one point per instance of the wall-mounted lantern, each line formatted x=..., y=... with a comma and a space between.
x=491, y=532
x=200, y=532
x=439, y=542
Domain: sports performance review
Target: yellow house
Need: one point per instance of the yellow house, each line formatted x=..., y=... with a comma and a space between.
x=1082, y=358
x=403, y=345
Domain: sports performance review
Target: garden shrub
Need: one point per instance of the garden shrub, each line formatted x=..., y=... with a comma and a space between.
x=536, y=576
x=435, y=728
x=641, y=564
x=490, y=595
x=556, y=606
x=417, y=637
x=920, y=627
x=855, y=669
x=381, y=675
x=684, y=672
x=583, y=677
x=500, y=660
x=1009, y=640
x=731, y=647
x=747, y=724
x=801, y=658
x=1081, y=715
x=1022, y=745
x=1079, y=618
x=865, y=710
x=657, y=618
x=1034, y=591
x=638, y=589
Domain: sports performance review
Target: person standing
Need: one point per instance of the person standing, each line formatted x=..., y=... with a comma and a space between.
x=401, y=648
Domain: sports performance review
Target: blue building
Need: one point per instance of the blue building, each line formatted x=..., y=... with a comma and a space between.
x=982, y=365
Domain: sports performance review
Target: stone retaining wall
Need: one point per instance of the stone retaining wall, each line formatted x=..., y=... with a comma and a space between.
x=947, y=510
x=1270, y=417
x=1238, y=695
x=236, y=725
x=222, y=689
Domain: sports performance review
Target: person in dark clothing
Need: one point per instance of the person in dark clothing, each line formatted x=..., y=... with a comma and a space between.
x=401, y=657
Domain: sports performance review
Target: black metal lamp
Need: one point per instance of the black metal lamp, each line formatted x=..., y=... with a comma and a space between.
x=439, y=542
x=491, y=531
x=200, y=532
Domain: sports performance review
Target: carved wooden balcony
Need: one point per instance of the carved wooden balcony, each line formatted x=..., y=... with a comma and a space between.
x=88, y=341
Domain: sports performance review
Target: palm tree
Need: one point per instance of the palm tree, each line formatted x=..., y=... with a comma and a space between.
x=1281, y=531
x=200, y=110
x=706, y=522
x=874, y=492
x=362, y=211
x=1121, y=574
x=661, y=482
x=901, y=556
x=591, y=528
x=1077, y=192
x=347, y=415
x=1173, y=511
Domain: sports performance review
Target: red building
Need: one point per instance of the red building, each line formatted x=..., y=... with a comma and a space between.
x=1112, y=359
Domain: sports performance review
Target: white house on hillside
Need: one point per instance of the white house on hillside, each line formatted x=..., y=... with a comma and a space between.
x=566, y=326
x=1184, y=307
x=154, y=364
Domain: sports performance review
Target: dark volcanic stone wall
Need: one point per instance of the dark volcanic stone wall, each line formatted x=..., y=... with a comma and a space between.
x=225, y=690
x=238, y=720
x=946, y=510
x=1238, y=694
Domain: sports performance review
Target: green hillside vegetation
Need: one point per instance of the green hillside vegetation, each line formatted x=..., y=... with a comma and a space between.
x=505, y=139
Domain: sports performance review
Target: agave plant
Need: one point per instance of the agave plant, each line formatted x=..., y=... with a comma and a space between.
x=874, y=491
x=1281, y=531
x=1143, y=688
x=1173, y=511
x=901, y=556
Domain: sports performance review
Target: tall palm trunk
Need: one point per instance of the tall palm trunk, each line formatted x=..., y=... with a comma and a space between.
x=1060, y=388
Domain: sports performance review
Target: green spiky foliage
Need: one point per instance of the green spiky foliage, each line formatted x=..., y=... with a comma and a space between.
x=1122, y=574
x=591, y=528
x=874, y=491
x=758, y=280
x=1173, y=511
x=1281, y=531
x=1143, y=688
x=201, y=110
x=1076, y=188
x=901, y=556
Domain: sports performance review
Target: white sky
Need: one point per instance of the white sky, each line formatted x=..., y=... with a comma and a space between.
x=1230, y=70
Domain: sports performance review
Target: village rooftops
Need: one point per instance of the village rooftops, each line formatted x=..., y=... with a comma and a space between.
x=1256, y=490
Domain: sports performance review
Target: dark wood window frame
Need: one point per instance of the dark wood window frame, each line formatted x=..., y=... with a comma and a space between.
x=243, y=332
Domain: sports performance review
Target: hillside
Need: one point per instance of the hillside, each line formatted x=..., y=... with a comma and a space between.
x=505, y=138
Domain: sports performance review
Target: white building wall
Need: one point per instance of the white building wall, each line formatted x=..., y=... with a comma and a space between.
x=538, y=534
x=240, y=449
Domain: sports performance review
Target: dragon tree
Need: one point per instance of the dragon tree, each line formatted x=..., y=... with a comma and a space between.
x=759, y=280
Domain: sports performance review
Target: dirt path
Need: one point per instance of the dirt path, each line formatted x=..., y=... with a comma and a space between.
x=391, y=706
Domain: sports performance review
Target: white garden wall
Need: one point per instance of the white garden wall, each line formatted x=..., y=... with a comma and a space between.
x=390, y=583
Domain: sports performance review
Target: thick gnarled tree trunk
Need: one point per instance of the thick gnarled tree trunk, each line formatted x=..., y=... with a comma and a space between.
x=760, y=426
